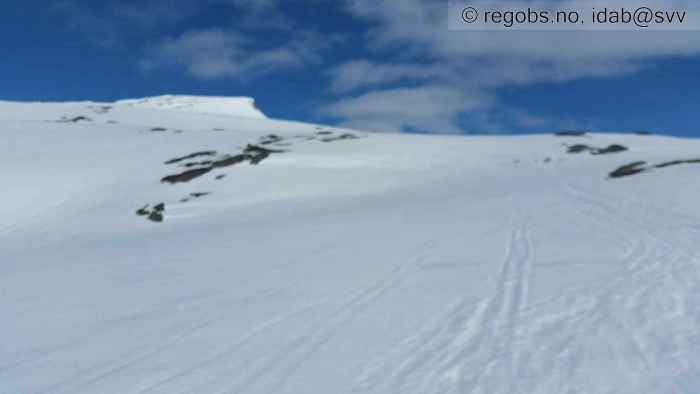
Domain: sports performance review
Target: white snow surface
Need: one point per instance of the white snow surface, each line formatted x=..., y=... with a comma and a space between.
x=384, y=264
x=234, y=106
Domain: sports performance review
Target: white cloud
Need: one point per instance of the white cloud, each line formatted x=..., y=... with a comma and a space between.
x=217, y=53
x=476, y=64
x=422, y=23
x=432, y=109
x=364, y=73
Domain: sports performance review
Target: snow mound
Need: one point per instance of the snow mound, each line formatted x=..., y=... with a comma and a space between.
x=233, y=106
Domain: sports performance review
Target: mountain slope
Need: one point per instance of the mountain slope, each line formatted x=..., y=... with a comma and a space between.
x=341, y=262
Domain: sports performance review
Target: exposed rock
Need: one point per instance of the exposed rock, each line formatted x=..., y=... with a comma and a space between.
x=346, y=136
x=614, y=148
x=578, y=148
x=75, y=119
x=191, y=156
x=253, y=153
x=144, y=211
x=256, y=154
x=156, y=217
x=258, y=158
x=199, y=195
x=186, y=176
x=629, y=169
x=270, y=139
x=636, y=168
x=677, y=162
x=254, y=149
x=570, y=133
x=230, y=161
x=198, y=163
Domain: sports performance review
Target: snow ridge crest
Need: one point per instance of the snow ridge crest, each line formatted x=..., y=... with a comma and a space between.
x=233, y=106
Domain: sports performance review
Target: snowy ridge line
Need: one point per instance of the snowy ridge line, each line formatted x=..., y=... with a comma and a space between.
x=234, y=106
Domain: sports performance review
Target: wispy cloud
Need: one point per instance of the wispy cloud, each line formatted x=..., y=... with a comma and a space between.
x=476, y=65
x=362, y=73
x=218, y=53
x=426, y=109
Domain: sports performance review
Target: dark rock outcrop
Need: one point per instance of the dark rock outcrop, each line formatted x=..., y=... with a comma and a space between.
x=570, y=133
x=578, y=148
x=75, y=119
x=186, y=176
x=155, y=214
x=629, y=169
x=677, y=162
x=614, y=148
x=229, y=161
x=346, y=136
x=156, y=217
x=191, y=156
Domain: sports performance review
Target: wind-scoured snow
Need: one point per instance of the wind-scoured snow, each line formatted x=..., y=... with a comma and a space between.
x=344, y=262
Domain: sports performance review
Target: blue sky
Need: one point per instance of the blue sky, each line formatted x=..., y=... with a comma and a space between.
x=373, y=64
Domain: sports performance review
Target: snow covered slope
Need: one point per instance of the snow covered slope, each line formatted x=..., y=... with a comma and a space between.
x=281, y=257
x=234, y=106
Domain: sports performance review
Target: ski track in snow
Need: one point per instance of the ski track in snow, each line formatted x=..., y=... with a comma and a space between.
x=83, y=381
x=504, y=345
x=292, y=358
x=487, y=333
x=269, y=373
